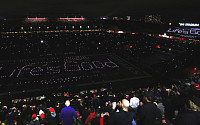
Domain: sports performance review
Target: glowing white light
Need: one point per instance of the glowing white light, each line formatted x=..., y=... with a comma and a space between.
x=120, y=32
x=189, y=24
x=109, y=31
x=42, y=41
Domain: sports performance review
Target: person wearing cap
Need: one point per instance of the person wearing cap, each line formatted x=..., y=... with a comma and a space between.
x=67, y=114
x=42, y=116
x=35, y=120
x=95, y=102
x=52, y=117
x=121, y=117
x=196, y=86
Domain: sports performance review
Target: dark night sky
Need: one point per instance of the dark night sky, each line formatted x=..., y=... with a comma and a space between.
x=14, y=8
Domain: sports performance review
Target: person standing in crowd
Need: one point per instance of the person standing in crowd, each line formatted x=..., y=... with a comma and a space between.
x=134, y=102
x=92, y=116
x=67, y=114
x=95, y=102
x=99, y=119
x=42, y=116
x=52, y=119
x=161, y=107
x=148, y=113
x=35, y=120
x=10, y=117
x=121, y=117
x=191, y=114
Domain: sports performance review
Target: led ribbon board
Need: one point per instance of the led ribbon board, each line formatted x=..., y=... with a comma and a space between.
x=36, y=19
x=71, y=19
x=184, y=32
x=189, y=24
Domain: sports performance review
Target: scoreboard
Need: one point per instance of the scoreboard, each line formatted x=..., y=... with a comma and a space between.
x=186, y=30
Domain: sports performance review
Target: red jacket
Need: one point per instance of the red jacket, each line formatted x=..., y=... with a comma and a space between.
x=91, y=117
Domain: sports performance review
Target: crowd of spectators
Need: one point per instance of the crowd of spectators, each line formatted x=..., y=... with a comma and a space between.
x=174, y=54
x=176, y=103
x=86, y=43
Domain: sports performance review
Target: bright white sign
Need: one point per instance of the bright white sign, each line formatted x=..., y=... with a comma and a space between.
x=189, y=24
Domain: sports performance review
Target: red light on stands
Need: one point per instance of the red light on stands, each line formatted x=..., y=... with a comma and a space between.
x=112, y=31
x=195, y=69
x=182, y=38
x=153, y=35
x=158, y=46
x=131, y=47
x=97, y=48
